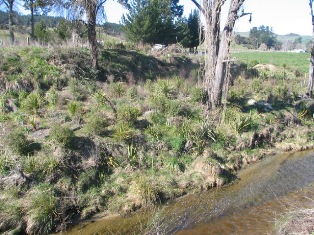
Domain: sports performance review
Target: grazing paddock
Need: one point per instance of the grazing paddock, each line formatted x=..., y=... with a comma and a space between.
x=292, y=61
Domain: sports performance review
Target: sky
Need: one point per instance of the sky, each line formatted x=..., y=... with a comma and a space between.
x=289, y=16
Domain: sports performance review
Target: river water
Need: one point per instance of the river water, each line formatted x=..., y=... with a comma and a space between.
x=262, y=192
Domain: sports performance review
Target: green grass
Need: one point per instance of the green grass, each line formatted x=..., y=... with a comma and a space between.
x=87, y=157
x=294, y=61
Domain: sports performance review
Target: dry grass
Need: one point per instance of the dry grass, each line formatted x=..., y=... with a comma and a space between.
x=300, y=222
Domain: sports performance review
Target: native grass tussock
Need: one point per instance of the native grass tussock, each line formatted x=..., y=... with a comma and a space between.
x=78, y=141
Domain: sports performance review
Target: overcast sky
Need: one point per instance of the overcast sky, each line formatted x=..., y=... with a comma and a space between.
x=289, y=16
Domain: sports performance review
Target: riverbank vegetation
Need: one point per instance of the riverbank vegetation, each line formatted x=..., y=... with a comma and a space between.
x=75, y=142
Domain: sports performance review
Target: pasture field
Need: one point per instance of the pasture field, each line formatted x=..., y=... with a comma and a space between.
x=292, y=61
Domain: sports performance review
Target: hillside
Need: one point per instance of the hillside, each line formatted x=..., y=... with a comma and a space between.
x=283, y=38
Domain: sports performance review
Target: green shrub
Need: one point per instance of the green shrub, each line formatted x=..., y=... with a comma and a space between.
x=159, y=102
x=32, y=103
x=63, y=29
x=132, y=92
x=96, y=125
x=176, y=142
x=164, y=87
x=78, y=91
x=61, y=135
x=41, y=33
x=74, y=109
x=50, y=165
x=158, y=118
x=155, y=132
x=198, y=94
x=6, y=163
x=128, y=114
x=17, y=142
x=86, y=180
x=123, y=132
x=143, y=189
x=30, y=164
x=173, y=163
x=256, y=85
x=52, y=97
x=117, y=89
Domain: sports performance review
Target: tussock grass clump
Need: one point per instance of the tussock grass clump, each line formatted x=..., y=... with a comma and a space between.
x=61, y=135
x=42, y=210
x=17, y=142
x=96, y=124
x=11, y=210
x=32, y=103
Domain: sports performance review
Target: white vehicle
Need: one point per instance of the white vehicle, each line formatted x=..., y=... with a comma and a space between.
x=158, y=46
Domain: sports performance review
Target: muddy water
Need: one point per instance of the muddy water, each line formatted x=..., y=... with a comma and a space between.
x=250, y=206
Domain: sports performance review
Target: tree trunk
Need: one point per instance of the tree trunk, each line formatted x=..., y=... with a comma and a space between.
x=217, y=57
x=222, y=64
x=311, y=71
x=10, y=5
x=212, y=35
x=92, y=39
x=32, y=19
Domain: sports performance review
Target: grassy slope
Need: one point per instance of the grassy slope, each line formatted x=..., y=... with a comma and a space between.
x=132, y=136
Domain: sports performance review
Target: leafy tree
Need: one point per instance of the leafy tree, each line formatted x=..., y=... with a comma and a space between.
x=9, y=4
x=152, y=21
x=63, y=29
x=194, y=33
x=240, y=40
x=262, y=34
x=37, y=6
x=40, y=32
x=88, y=11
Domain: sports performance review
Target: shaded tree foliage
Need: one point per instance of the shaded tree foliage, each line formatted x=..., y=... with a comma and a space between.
x=193, y=32
x=37, y=7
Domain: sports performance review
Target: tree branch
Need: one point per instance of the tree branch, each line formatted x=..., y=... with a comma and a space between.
x=99, y=5
x=245, y=14
x=198, y=6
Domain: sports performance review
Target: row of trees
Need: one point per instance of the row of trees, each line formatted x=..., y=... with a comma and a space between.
x=35, y=7
x=25, y=20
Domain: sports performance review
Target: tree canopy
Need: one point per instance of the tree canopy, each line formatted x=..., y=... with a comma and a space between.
x=262, y=35
x=193, y=34
x=152, y=21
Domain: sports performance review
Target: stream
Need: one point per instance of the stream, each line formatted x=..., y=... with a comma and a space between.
x=251, y=205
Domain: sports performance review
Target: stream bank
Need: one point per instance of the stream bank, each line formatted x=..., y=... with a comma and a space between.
x=262, y=192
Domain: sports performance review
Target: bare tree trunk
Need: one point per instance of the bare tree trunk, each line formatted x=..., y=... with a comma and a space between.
x=32, y=19
x=311, y=70
x=217, y=57
x=92, y=38
x=222, y=64
x=10, y=6
x=212, y=40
